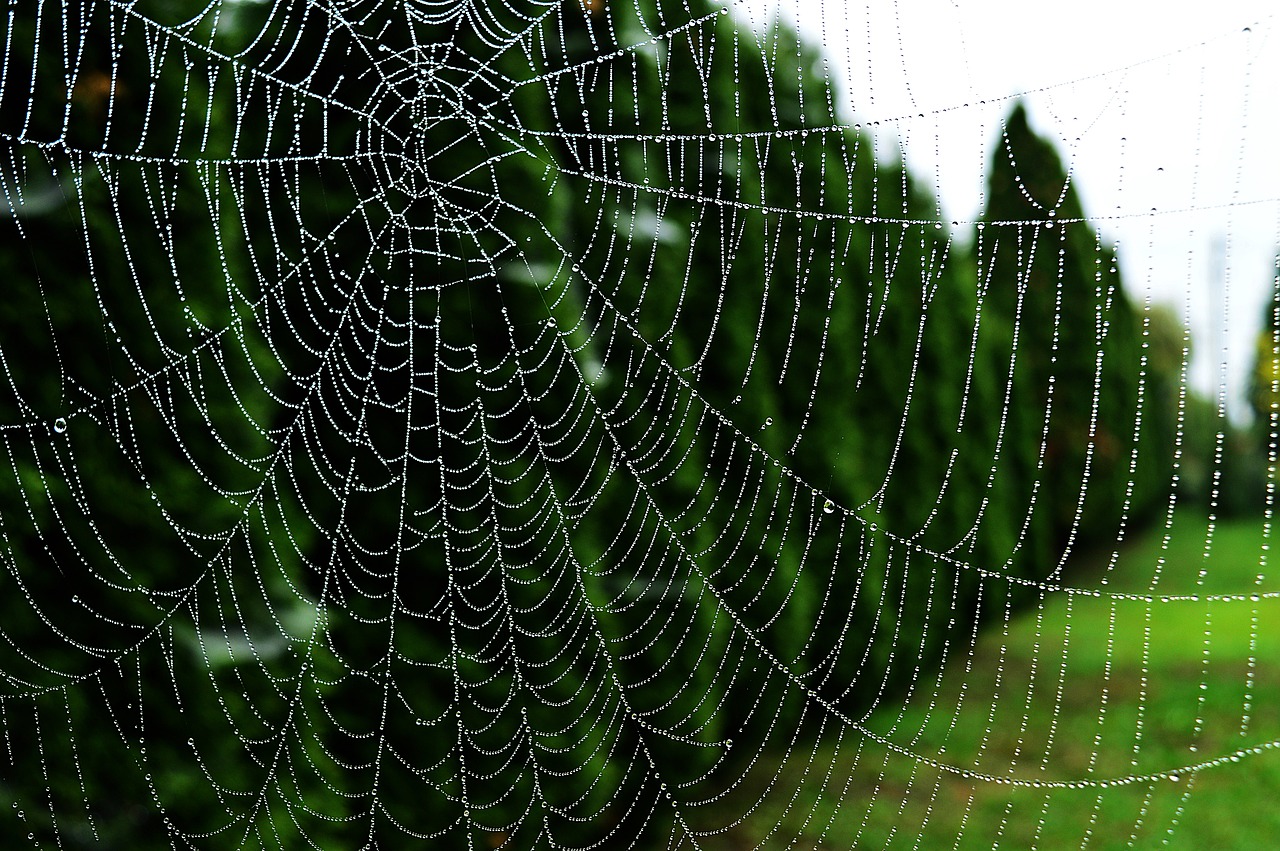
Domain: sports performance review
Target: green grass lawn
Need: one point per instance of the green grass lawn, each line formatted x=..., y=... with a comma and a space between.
x=1081, y=687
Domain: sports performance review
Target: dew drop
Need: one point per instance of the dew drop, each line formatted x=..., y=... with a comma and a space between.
x=768, y=421
x=828, y=507
x=1175, y=778
x=60, y=425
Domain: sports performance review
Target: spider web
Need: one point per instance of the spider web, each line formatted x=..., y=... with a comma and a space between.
x=538, y=424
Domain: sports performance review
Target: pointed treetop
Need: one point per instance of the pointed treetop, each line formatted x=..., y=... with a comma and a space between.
x=1028, y=178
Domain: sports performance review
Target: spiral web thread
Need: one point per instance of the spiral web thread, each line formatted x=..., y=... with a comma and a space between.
x=556, y=425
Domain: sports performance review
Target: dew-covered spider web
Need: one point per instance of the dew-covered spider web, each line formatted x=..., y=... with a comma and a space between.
x=578, y=424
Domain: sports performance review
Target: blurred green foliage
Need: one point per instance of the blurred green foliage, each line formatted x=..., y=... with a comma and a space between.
x=425, y=476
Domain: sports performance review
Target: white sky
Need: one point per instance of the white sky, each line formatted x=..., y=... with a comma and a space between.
x=1170, y=105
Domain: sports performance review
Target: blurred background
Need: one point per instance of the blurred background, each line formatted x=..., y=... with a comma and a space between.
x=637, y=425
x=1164, y=116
